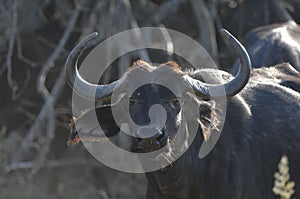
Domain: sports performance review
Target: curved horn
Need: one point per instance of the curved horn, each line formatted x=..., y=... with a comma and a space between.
x=236, y=84
x=81, y=86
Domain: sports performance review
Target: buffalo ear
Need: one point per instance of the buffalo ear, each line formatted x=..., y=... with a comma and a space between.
x=208, y=118
x=106, y=121
x=73, y=136
x=90, y=130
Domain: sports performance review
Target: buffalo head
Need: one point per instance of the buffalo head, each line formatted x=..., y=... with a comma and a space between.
x=153, y=131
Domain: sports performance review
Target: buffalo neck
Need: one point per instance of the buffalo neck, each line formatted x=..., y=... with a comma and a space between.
x=173, y=180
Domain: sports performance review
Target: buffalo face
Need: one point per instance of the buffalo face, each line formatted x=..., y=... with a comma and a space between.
x=150, y=132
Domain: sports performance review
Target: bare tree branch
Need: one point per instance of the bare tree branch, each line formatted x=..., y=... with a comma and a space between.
x=283, y=14
x=103, y=194
x=56, y=53
x=10, y=81
x=50, y=129
x=50, y=164
x=134, y=24
x=168, y=39
x=50, y=132
x=20, y=54
x=164, y=10
x=207, y=35
x=51, y=44
x=25, y=83
x=47, y=111
x=213, y=9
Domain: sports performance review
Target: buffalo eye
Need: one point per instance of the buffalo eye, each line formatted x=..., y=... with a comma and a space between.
x=174, y=102
x=134, y=101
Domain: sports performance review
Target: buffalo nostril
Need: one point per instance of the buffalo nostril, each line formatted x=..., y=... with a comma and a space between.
x=160, y=136
x=150, y=143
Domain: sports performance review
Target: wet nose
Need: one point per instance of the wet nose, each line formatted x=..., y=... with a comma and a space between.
x=149, y=139
x=150, y=133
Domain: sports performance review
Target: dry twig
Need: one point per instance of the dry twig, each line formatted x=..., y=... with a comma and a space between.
x=133, y=23
x=11, y=82
x=56, y=53
x=20, y=54
x=47, y=111
x=164, y=10
x=50, y=164
x=207, y=35
x=51, y=44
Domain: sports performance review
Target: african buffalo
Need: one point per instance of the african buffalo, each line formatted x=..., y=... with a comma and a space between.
x=261, y=125
x=274, y=44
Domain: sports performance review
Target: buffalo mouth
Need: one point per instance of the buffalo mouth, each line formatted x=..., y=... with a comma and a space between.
x=150, y=144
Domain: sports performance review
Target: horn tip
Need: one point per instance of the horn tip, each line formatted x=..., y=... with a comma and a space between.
x=93, y=35
x=225, y=33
